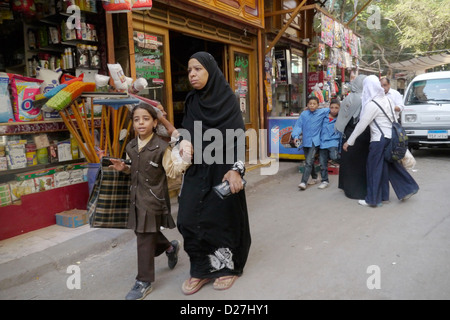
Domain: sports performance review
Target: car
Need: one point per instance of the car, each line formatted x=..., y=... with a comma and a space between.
x=426, y=115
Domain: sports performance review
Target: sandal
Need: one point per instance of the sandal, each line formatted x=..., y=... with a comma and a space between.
x=225, y=282
x=192, y=285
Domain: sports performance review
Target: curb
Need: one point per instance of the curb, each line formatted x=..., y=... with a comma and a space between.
x=25, y=269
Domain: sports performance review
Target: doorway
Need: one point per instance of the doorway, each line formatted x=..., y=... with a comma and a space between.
x=182, y=47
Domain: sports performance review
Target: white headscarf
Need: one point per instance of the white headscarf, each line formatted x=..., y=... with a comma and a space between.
x=371, y=89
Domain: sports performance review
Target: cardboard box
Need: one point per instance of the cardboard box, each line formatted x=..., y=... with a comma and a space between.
x=72, y=218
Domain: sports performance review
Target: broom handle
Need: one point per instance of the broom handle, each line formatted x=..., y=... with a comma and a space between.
x=126, y=137
x=102, y=123
x=84, y=132
x=74, y=132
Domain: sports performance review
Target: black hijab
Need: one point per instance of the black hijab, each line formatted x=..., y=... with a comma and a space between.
x=216, y=105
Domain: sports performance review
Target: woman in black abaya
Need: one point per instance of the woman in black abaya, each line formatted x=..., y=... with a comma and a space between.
x=216, y=232
x=352, y=165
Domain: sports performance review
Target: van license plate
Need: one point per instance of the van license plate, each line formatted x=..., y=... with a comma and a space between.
x=437, y=134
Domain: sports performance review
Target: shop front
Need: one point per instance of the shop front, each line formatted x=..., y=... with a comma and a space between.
x=285, y=70
x=310, y=54
x=162, y=40
x=43, y=171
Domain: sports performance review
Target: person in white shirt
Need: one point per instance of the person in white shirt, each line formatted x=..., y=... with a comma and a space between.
x=379, y=171
x=394, y=95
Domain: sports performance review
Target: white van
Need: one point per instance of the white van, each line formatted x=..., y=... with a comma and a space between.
x=426, y=116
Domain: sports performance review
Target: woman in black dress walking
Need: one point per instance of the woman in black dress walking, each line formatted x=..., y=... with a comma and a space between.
x=352, y=165
x=216, y=232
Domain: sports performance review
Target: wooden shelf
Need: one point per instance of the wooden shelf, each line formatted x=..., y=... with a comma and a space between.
x=33, y=127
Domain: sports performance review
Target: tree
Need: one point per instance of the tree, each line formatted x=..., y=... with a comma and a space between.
x=423, y=25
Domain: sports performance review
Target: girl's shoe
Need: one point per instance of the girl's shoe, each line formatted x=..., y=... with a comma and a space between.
x=173, y=255
x=140, y=290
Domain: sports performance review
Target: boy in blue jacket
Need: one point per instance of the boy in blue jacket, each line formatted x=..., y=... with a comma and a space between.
x=330, y=139
x=309, y=124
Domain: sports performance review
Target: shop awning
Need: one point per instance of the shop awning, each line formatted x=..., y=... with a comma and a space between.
x=423, y=63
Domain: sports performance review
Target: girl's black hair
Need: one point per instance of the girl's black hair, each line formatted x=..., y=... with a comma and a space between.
x=147, y=107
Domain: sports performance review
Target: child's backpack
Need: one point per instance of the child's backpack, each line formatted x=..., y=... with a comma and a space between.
x=396, y=149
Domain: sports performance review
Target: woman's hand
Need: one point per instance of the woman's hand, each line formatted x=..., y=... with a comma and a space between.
x=345, y=146
x=118, y=165
x=235, y=181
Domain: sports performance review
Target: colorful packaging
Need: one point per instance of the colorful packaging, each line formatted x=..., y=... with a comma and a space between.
x=23, y=91
x=116, y=6
x=142, y=4
x=6, y=112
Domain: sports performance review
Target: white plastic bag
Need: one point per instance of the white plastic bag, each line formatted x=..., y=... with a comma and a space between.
x=408, y=160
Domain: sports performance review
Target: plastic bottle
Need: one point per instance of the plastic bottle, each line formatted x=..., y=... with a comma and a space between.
x=74, y=148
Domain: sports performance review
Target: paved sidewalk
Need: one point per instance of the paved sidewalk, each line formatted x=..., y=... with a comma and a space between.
x=29, y=256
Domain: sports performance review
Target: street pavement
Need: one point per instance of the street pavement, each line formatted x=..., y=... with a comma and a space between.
x=308, y=245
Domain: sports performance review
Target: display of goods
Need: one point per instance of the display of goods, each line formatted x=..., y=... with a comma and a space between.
x=24, y=91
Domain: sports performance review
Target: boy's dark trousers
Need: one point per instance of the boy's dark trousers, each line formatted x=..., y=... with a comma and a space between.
x=310, y=153
x=149, y=246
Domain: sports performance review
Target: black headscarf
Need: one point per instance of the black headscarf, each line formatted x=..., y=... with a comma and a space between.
x=216, y=104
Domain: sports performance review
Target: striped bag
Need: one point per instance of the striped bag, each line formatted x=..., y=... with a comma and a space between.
x=109, y=202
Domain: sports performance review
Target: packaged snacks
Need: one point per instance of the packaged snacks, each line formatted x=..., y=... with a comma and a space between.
x=6, y=113
x=23, y=91
x=116, y=6
x=142, y=4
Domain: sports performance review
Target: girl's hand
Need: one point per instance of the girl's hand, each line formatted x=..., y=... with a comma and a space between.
x=235, y=181
x=118, y=165
x=186, y=151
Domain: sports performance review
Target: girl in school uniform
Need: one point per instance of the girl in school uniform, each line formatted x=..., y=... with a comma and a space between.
x=152, y=160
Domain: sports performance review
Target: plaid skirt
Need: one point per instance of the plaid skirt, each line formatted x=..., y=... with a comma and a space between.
x=109, y=202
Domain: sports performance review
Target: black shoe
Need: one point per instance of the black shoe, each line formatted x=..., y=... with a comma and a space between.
x=139, y=291
x=173, y=255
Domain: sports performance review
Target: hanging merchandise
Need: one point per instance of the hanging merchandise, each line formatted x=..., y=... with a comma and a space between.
x=317, y=92
x=26, y=7
x=142, y=5
x=117, y=6
x=321, y=53
x=327, y=30
x=346, y=42
x=338, y=34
